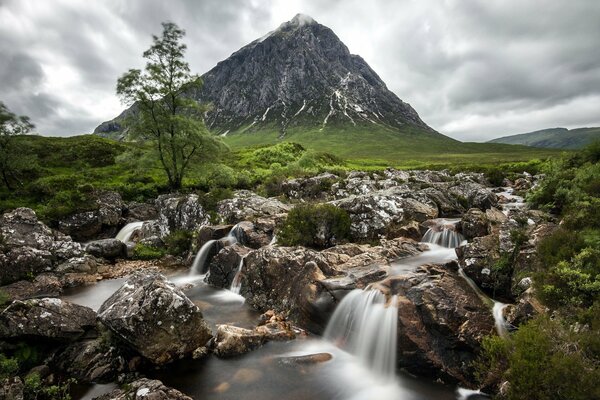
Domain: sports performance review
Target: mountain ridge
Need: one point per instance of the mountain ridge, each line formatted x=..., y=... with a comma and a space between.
x=299, y=75
x=553, y=138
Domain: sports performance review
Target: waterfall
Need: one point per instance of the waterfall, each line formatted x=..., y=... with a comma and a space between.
x=234, y=235
x=236, y=284
x=273, y=241
x=125, y=233
x=443, y=234
x=499, y=321
x=363, y=325
x=200, y=259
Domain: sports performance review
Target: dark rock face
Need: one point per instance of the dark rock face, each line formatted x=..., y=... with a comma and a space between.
x=145, y=389
x=474, y=224
x=107, y=248
x=29, y=247
x=140, y=212
x=211, y=232
x=47, y=318
x=155, y=318
x=225, y=264
x=301, y=74
x=102, y=221
x=441, y=322
x=477, y=259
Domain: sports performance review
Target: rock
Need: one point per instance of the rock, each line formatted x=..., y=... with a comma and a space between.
x=526, y=307
x=474, y=224
x=145, y=389
x=522, y=184
x=232, y=340
x=441, y=322
x=211, y=232
x=410, y=231
x=29, y=247
x=223, y=267
x=101, y=221
x=477, y=258
x=135, y=211
x=107, y=248
x=475, y=195
x=256, y=234
x=176, y=212
x=46, y=318
x=316, y=187
x=85, y=264
x=43, y=285
x=246, y=205
x=299, y=361
x=12, y=389
x=155, y=318
x=382, y=213
x=447, y=204
x=495, y=216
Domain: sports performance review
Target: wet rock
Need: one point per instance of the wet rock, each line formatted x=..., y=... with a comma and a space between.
x=475, y=195
x=410, y=231
x=477, y=258
x=145, y=389
x=526, y=307
x=135, y=211
x=299, y=361
x=474, y=224
x=246, y=205
x=211, y=232
x=316, y=187
x=176, y=212
x=441, y=322
x=232, y=340
x=47, y=318
x=225, y=264
x=155, y=318
x=447, y=204
x=522, y=184
x=101, y=221
x=43, y=285
x=256, y=234
x=382, y=213
x=107, y=248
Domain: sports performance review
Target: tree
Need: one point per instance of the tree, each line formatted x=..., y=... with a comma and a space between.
x=163, y=113
x=11, y=156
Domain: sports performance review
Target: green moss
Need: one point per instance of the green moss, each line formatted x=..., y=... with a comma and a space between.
x=144, y=252
x=178, y=242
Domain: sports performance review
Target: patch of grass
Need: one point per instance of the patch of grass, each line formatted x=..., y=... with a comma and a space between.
x=144, y=252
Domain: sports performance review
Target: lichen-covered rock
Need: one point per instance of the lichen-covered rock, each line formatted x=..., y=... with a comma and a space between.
x=176, y=212
x=12, y=389
x=155, y=318
x=246, y=205
x=474, y=224
x=145, y=389
x=475, y=195
x=224, y=266
x=107, y=248
x=101, y=221
x=47, y=318
x=316, y=187
x=258, y=233
x=382, y=213
x=478, y=257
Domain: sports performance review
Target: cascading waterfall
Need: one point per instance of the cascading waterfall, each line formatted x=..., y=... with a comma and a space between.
x=234, y=235
x=125, y=233
x=499, y=320
x=200, y=259
x=365, y=326
x=236, y=284
x=443, y=234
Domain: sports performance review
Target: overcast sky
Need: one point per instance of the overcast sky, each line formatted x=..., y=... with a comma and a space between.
x=473, y=69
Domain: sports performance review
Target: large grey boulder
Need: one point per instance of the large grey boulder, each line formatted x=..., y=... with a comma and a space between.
x=155, y=318
x=474, y=224
x=315, y=187
x=177, y=212
x=247, y=205
x=47, y=318
x=102, y=220
x=107, y=248
x=145, y=389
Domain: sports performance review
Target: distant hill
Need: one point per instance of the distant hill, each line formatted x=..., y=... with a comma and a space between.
x=554, y=138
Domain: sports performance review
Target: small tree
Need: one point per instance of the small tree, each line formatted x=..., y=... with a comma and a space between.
x=11, y=156
x=164, y=114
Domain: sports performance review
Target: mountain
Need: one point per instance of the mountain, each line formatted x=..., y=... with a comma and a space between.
x=297, y=78
x=554, y=138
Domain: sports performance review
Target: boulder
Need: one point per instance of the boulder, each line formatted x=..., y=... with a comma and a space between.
x=224, y=266
x=177, y=212
x=46, y=318
x=135, y=211
x=474, y=224
x=144, y=389
x=447, y=204
x=316, y=187
x=43, y=285
x=211, y=232
x=247, y=205
x=12, y=389
x=475, y=195
x=526, y=307
x=155, y=318
x=101, y=221
x=24, y=262
x=107, y=248
x=256, y=234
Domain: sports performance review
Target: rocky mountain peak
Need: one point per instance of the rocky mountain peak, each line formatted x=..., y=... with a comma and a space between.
x=299, y=76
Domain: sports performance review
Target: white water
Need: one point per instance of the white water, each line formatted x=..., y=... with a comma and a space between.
x=236, y=284
x=200, y=259
x=233, y=235
x=444, y=233
x=465, y=394
x=499, y=321
x=273, y=241
x=125, y=233
x=435, y=255
x=367, y=328
x=514, y=202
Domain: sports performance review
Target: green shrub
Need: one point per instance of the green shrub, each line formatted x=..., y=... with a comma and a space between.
x=314, y=225
x=8, y=367
x=34, y=389
x=144, y=252
x=561, y=245
x=178, y=242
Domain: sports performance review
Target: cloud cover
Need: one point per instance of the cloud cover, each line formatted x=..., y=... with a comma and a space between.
x=473, y=69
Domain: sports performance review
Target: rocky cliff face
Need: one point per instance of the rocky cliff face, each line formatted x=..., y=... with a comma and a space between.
x=299, y=75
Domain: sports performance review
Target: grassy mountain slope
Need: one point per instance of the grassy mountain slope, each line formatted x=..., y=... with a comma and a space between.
x=554, y=138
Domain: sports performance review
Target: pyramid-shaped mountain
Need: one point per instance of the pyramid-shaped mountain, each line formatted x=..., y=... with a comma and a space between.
x=299, y=76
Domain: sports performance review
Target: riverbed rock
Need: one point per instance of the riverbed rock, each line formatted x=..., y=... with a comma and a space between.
x=233, y=341
x=107, y=248
x=102, y=220
x=223, y=266
x=12, y=389
x=211, y=232
x=46, y=318
x=247, y=205
x=135, y=211
x=475, y=195
x=316, y=187
x=179, y=212
x=43, y=285
x=474, y=224
x=441, y=322
x=155, y=318
x=256, y=234
x=478, y=258
x=383, y=213
x=145, y=389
